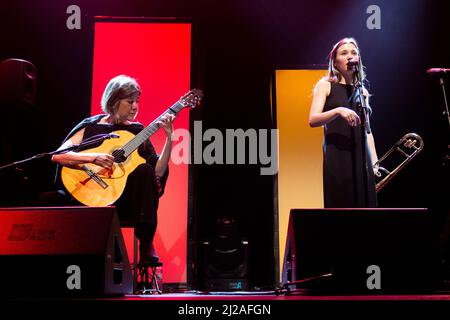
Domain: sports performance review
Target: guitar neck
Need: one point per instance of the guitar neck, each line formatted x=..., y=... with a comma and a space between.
x=140, y=138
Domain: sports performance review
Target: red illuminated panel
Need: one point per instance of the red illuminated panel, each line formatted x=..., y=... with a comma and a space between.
x=158, y=56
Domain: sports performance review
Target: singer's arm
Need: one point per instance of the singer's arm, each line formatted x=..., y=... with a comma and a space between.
x=318, y=118
x=373, y=151
x=370, y=139
x=74, y=159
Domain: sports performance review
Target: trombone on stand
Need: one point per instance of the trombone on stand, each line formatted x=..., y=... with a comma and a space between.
x=407, y=148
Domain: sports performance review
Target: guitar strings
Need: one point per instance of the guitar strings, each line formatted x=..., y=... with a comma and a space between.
x=134, y=143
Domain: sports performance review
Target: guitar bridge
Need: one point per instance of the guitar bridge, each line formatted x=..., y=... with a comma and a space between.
x=95, y=177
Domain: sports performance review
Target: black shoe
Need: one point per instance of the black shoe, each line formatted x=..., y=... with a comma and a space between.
x=147, y=254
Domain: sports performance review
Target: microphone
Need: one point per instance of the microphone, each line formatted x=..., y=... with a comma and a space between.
x=438, y=70
x=352, y=63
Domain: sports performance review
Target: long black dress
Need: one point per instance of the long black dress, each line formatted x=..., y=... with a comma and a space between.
x=343, y=169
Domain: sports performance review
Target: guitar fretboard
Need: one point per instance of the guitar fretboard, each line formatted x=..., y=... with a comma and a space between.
x=140, y=138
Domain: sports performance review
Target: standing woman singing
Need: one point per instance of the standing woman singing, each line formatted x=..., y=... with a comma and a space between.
x=347, y=180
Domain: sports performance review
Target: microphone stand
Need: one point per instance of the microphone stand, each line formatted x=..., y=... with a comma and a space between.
x=363, y=111
x=441, y=82
x=87, y=142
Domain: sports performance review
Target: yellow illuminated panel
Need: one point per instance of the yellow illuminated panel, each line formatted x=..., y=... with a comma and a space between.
x=300, y=147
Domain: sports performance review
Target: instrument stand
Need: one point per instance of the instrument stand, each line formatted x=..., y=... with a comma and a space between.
x=76, y=147
x=441, y=82
x=363, y=111
x=447, y=114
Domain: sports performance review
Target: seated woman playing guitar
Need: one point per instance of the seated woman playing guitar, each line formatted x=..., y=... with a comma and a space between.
x=132, y=184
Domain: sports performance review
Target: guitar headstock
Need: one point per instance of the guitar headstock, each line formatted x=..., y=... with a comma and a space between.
x=192, y=98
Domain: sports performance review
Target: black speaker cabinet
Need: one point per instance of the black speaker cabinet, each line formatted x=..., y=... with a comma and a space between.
x=225, y=270
x=62, y=252
x=225, y=258
x=340, y=249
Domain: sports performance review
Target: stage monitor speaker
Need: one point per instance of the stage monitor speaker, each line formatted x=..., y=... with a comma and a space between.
x=362, y=250
x=225, y=258
x=62, y=252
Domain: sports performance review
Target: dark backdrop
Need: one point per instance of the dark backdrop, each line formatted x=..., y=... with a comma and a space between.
x=236, y=45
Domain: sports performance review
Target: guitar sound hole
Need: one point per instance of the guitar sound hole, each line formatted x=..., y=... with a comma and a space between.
x=119, y=155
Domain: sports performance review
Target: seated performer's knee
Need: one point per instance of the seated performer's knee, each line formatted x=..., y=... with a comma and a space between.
x=145, y=170
x=143, y=177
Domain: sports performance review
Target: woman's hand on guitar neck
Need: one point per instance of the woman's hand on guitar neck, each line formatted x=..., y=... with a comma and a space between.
x=166, y=123
x=163, y=161
x=103, y=160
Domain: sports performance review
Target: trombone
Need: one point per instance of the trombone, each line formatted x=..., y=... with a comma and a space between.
x=408, y=147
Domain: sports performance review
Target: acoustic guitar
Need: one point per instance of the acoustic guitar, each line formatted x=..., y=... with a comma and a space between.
x=94, y=185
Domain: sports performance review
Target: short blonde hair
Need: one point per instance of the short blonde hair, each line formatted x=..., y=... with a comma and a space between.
x=120, y=87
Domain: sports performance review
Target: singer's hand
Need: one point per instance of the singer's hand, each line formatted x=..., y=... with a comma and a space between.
x=350, y=116
x=103, y=160
x=376, y=170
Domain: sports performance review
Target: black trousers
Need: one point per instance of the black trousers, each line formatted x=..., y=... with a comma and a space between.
x=139, y=202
